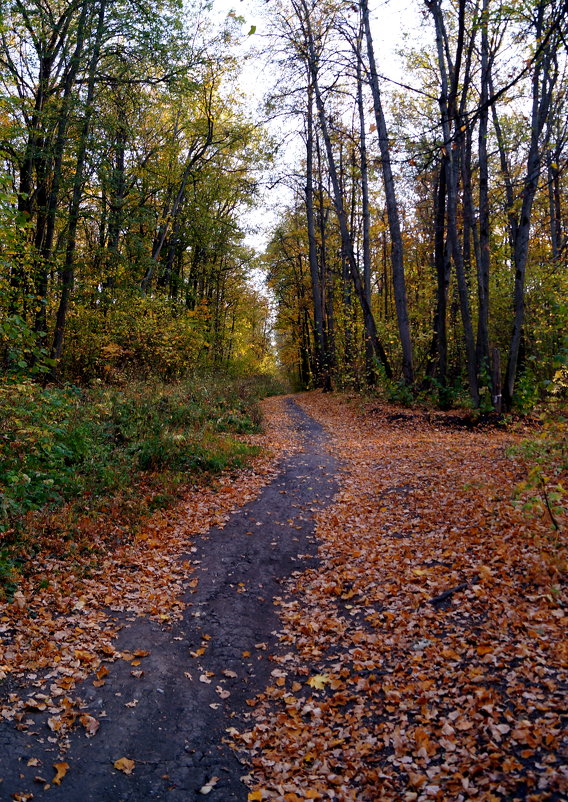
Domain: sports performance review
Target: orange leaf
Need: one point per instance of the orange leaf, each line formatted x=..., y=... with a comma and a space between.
x=102, y=672
x=61, y=769
x=91, y=724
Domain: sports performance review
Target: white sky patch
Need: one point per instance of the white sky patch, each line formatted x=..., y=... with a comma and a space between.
x=394, y=22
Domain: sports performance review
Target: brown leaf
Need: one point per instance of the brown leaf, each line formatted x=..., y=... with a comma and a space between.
x=90, y=724
x=125, y=765
x=208, y=787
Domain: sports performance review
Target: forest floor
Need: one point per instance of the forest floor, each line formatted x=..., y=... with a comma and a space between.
x=366, y=614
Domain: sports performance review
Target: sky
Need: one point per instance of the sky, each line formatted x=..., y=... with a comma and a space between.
x=393, y=23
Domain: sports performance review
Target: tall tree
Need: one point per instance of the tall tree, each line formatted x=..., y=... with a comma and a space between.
x=304, y=17
x=397, y=249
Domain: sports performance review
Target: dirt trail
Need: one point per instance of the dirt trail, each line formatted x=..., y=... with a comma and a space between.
x=171, y=721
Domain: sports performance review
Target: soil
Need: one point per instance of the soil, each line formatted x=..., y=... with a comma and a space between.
x=172, y=719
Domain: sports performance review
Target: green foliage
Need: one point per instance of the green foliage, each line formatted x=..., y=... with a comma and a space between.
x=398, y=392
x=135, y=336
x=557, y=386
x=22, y=353
x=445, y=396
x=7, y=574
x=395, y=391
x=543, y=493
x=527, y=390
x=64, y=443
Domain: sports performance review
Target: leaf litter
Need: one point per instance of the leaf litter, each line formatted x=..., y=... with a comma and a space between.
x=60, y=627
x=424, y=658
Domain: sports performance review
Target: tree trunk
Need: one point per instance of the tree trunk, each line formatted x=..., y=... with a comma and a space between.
x=67, y=274
x=442, y=263
x=543, y=82
x=322, y=368
x=449, y=76
x=484, y=223
x=397, y=253
x=369, y=321
x=326, y=271
x=365, y=211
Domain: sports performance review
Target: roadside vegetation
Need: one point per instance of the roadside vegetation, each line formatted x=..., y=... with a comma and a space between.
x=69, y=455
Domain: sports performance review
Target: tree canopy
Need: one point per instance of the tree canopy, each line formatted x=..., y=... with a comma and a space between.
x=424, y=243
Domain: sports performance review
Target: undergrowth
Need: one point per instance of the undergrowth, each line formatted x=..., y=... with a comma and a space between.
x=71, y=455
x=543, y=492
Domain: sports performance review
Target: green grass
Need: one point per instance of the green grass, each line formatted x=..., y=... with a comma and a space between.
x=89, y=446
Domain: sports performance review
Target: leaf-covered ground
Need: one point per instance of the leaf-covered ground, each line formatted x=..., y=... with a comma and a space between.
x=59, y=628
x=425, y=657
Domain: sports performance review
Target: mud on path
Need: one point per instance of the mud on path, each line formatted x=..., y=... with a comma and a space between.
x=171, y=720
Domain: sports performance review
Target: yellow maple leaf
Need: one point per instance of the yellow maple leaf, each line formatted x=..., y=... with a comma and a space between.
x=255, y=796
x=318, y=681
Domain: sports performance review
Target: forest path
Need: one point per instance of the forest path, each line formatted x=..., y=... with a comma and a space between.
x=172, y=720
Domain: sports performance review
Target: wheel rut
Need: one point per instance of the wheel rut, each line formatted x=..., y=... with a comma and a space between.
x=172, y=719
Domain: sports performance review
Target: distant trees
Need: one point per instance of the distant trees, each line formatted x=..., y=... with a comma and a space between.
x=454, y=183
x=425, y=246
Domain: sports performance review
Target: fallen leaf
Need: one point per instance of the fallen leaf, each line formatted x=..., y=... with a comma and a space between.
x=319, y=681
x=90, y=724
x=19, y=600
x=102, y=672
x=208, y=787
x=61, y=770
x=125, y=765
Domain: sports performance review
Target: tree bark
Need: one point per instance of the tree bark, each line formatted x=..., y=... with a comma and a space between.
x=67, y=274
x=369, y=321
x=365, y=210
x=543, y=82
x=483, y=265
x=322, y=368
x=397, y=251
x=449, y=76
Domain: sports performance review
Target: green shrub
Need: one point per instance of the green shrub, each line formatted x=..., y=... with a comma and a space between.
x=60, y=444
x=543, y=491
